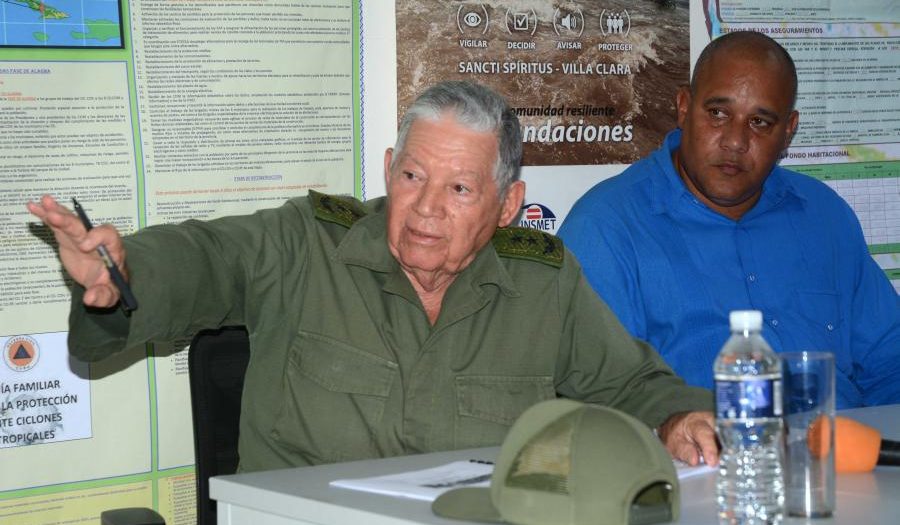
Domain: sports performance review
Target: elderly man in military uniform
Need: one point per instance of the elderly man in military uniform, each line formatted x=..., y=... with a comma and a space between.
x=413, y=323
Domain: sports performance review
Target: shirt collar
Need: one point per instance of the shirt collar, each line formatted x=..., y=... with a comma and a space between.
x=366, y=245
x=669, y=189
x=777, y=189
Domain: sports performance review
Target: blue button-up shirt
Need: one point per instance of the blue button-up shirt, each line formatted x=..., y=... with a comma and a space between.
x=672, y=269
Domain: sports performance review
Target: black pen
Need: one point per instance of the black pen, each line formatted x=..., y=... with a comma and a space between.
x=129, y=303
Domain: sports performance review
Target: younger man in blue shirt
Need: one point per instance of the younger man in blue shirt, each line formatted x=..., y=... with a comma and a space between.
x=709, y=223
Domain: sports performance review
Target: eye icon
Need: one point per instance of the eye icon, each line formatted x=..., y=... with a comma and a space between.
x=477, y=19
x=472, y=19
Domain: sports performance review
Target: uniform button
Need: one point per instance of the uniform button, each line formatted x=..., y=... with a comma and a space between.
x=774, y=322
x=752, y=277
x=830, y=327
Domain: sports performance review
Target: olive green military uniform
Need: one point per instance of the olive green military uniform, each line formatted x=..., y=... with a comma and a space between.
x=345, y=364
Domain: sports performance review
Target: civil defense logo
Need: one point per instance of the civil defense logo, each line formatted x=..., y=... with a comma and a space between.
x=21, y=353
x=538, y=217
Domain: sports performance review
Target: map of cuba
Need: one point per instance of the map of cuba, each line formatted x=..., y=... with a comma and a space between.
x=60, y=23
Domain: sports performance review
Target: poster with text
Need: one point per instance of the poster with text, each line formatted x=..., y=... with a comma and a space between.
x=592, y=82
x=191, y=110
x=848, y=70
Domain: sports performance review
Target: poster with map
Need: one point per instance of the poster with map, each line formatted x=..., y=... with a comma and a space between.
x=210, y=108
x=61, y=23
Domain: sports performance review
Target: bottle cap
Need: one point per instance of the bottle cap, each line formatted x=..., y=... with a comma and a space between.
x=741, y=320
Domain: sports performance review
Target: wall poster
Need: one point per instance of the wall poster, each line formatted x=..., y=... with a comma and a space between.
x=146, y=112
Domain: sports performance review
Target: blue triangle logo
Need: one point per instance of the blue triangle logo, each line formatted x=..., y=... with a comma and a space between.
x=22, y=353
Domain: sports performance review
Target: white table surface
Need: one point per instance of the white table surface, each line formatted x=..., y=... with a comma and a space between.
x=303, y=496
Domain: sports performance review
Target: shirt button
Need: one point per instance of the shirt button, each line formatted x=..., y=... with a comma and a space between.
x=774, y=322
x=752, y=277
x=830, y=327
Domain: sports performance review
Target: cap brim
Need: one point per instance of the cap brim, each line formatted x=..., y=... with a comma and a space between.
x=469, y=503
x=653, y=505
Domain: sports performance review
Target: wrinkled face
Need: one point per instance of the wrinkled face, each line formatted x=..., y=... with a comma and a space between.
x=734, y=128
x=443, y=204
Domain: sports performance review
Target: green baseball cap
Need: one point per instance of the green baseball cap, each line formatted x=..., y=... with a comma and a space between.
x=570, y=463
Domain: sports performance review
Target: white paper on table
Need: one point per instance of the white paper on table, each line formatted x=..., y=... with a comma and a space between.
x=686, y=471
x=426, y=484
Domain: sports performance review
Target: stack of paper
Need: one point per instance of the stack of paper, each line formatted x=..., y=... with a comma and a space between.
x=425, y=484
x=428, y=484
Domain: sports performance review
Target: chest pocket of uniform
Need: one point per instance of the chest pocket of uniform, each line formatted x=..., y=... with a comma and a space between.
x=335, y=397
x=820, y=311
x=340, y=367
x=488, y=405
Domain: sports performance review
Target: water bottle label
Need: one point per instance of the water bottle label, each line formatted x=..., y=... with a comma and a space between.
x=748, y=398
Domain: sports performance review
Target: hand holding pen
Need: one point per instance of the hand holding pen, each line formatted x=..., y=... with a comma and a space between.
x=79, y=245
x=129, y=303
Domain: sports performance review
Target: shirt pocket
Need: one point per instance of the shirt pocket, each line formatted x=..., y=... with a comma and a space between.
x=823, y=324
x=488, y=405
x=335, y=397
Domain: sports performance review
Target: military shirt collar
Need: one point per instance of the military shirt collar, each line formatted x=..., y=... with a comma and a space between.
x=366, y=245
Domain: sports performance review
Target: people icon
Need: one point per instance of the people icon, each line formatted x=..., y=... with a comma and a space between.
x=615, y=23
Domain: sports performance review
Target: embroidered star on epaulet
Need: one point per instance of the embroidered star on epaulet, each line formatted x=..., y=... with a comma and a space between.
x=530, y=244
x=339, y=210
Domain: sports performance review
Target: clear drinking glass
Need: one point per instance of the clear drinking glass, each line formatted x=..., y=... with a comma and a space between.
x=808, y=410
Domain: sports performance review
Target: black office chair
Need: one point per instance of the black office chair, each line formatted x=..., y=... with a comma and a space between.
x=217, y=361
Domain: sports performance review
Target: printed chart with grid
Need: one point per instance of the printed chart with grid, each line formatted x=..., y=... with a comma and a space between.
x=872, y=189
x=875, y=202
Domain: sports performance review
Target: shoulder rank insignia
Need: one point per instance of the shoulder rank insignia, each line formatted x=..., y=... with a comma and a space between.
x=530, y=244
x=339, y=210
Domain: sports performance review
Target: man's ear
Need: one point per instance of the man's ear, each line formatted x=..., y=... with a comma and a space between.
x=388, y=156
x=682, y=104
x=792, y=123
x=511, y=204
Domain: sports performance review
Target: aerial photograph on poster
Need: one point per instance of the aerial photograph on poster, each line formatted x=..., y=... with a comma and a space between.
x=591, y=82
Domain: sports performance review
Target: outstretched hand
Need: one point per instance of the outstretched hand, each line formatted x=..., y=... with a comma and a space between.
x=78, y=250
x=691, y=437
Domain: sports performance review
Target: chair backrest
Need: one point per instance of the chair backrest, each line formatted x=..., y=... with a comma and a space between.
x=217, y=361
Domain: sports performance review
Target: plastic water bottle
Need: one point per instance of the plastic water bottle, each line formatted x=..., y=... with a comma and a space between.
x=750, y=486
